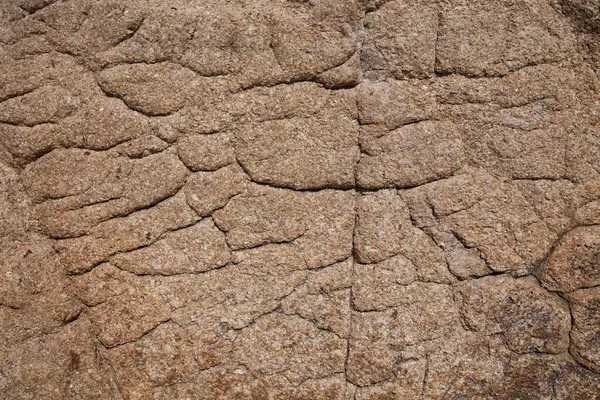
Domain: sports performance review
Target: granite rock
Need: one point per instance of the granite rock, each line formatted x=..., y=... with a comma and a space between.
x=334, y=199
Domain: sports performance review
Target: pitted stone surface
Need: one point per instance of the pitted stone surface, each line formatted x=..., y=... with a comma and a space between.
x=337, y=199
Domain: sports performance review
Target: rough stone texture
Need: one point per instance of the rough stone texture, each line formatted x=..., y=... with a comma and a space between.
x=334, y=199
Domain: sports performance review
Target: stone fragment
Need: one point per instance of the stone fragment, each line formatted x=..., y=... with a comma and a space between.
x=404, y=50
x=303, y=153
x=16, y=208
x=139, y=229
x=409, y=156
x=206, y=152
x=394, y=103
x=53, y=175
x=531, y=319
x=255, y=285
x=382, y=222
x=574, y=262
x=136, y=85
x=21, y=144
x=212, y=50
x=23, y=76
x=426, y=255
x=295, y=100
x=208, y=191
x=198, y=248
x=556, y=201
x=496, y=38
x=124, y=319
x=585, y=309
x=585, y=11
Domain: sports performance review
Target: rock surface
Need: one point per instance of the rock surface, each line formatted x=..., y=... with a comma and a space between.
x=336, y=199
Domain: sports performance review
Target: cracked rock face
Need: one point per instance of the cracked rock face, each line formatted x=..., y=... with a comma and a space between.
x=337, y=199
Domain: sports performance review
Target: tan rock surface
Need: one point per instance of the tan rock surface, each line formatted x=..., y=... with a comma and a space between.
x=336, y=199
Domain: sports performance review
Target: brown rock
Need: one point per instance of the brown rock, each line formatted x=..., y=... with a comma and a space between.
x=139, y=229
x=206, y=152
x=206, y=192
x=424, y=312
x=334, y=199
x=586, y=321
x=382, y=222
x=409, y=156
x=531, y=319
x=394, y=103
x=482, y=212
x=134, y=84
x=303, y=153
x=105, y=186
x=198, y=248
x=267, y=215
x=400, y=50
x=495, y=38
x=574, y=262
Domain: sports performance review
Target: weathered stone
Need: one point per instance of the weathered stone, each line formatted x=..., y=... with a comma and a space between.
x=401, y=51
x=482, y=212
x=585, y=306
x=574, y=262
x=325, y=298
x=87, y=129
x=143, y=146
x=198, y=248
x=134, y=84
x=284, y=345
x=333, y=199
x=424, y=312
x=409, y=156
x=531, y=319
x=206, y=152
x=44, y=105
x=394, y=103
x=163, y=357
x=494, y=38
x=139, y=229
x=159, y=36
x=208, y=191
x=305, y=219
x=106, y=186
x=382, y=222
x=303, y=153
